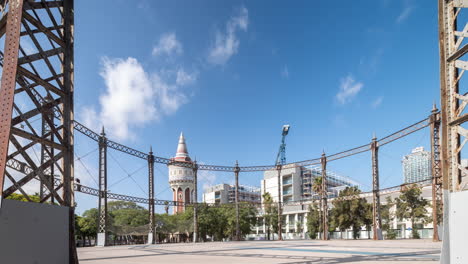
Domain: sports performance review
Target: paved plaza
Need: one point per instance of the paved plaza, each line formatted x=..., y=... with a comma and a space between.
x=253, y=252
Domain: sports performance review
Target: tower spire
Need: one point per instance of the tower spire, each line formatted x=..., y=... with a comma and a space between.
x=182, y=151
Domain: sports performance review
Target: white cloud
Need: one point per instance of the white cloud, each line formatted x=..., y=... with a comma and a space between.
x=285, y=72
x=227, y=44
x=377, y=102
x=349, y=88
x=128, y=99
x=134, y=97
x=184, y=78
x=168, y=44
x=404, y=14
x=169, y=97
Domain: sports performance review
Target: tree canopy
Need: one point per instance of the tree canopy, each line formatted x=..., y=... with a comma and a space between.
x=349, y=211
x=127, y=217
x=271, y=214
x=19, y=197
x=313, y=221
x=411, y=205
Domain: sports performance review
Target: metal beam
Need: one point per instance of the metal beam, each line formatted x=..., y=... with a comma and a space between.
x=42, y=141
x=280, y=220
x=102, y=206
x=324, y=195
x=377, y=223
x=437, y=205
x=8, y=81
x=45, y=30
x=236, y=175
x=152, y=230
x=195, y=202
x=39, y=56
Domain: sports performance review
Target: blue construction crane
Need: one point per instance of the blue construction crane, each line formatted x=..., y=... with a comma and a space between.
x=281, y=157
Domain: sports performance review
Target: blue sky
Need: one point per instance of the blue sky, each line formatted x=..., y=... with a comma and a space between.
x=229, y=74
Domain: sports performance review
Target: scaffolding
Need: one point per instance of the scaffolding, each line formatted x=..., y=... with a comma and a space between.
x=335, y=182
x=247, y=193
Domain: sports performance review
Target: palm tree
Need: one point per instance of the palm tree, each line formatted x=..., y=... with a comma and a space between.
x=268, y=201
x=317, y=189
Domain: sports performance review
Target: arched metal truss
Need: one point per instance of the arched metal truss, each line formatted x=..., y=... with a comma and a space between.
x=316, y=161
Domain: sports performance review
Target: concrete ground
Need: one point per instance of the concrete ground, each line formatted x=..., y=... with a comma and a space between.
x=253, y=252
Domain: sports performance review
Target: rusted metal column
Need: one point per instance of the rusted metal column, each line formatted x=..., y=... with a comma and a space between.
x=195, y=202
x=68, y=115
x=437, y=205
x=47, y=153
x=280, y=224
x=8, y=81
x=152, y=231
x=102, y=229
x=324, y=194
x=236, y=173
x=375, y=190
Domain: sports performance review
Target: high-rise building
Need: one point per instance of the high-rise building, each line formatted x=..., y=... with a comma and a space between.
x=181, y=179
x=417, y=166
x=226, y=193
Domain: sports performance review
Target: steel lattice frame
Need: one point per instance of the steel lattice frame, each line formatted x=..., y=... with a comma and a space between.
x=453, y=29
x=354, y=151
x=376, y=220
x=324, y=197
x=47, y=153
x=437, y=204
x=195, y=202
x=37, y=84
x=102, y=205
x=454, y=101
x=236, y=176
x=151, y=197
x=280, y=213
x=372, y=146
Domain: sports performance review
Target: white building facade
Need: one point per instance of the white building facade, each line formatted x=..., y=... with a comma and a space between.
x=225, y=193
x=296, y=185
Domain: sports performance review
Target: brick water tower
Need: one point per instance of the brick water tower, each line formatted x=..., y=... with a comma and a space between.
x=181, y=179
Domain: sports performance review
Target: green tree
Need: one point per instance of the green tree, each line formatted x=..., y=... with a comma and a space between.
x=368, y=217
x=411, y=205
x=387, y=218
x=130, y=217
x=212, y=222
x=271, y=214
x=19, y=197
x=247, y=219
x=87, y=225
x=349, y=211
x=313, y=221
